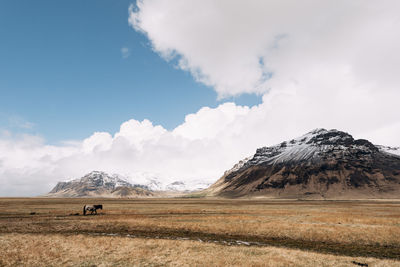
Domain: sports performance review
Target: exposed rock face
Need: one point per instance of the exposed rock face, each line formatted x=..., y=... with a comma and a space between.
x=320, y=164
x=99, y=184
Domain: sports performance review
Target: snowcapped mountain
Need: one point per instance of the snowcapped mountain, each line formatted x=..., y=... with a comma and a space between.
x=157, y=184
x=99, y=184
x=321, y=163
x=99, y=178
x=311, y=147
x=187, y=186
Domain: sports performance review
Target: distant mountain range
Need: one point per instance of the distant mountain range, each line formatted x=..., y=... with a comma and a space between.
x=99, y=184
x=176, y=186
x=320, y=164
x=102, y=184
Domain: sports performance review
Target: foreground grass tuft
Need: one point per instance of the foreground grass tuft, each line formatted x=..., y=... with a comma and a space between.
x=82, y=250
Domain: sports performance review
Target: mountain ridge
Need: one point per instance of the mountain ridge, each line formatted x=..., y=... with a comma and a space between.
x=99, y=184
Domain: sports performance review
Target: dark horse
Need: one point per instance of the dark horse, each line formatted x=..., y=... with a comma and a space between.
x=91, y=208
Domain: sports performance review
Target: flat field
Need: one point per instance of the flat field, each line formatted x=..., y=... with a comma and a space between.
x=200, y=232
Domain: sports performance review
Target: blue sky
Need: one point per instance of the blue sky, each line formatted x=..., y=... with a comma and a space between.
x=63, y=75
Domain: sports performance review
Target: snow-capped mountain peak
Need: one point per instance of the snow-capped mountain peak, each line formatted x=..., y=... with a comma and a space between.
x=99, y=178
x=310, y=146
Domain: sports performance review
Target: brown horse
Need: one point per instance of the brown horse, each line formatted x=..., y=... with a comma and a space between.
x=91, y=208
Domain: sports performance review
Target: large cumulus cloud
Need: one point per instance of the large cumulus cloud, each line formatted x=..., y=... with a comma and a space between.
x=317, y=63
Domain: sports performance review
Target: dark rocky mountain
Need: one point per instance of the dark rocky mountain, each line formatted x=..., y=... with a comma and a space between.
x=99, y=184
x=321, y=164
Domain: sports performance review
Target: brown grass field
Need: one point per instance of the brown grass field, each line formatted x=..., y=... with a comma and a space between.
x=199, y=232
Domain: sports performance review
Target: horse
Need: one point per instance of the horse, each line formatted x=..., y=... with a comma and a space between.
x=91, y=208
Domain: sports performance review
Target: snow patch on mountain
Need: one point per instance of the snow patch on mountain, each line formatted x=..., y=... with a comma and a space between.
x=388, y=149
x=100, y=178
x=155, y=184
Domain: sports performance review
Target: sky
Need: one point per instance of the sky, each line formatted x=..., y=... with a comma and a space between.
x=183, y=89
x=71, y=68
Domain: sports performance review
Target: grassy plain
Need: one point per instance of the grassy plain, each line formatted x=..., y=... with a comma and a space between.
x=199, y=232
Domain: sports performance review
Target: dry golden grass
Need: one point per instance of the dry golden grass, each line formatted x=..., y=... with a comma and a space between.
x=342, y=222
x=355, y=228
x=82, y=250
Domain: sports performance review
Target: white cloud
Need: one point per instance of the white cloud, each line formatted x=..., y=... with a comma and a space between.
x=125, y=52
x=235, y=46
x=99, y=141
x=139, y=133
x=13, y=121
x=209, y=123
x=316, y=63
x=331, y=64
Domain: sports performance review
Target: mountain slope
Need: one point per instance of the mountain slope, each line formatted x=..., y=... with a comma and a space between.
x=99, y=184
x=320, y=164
